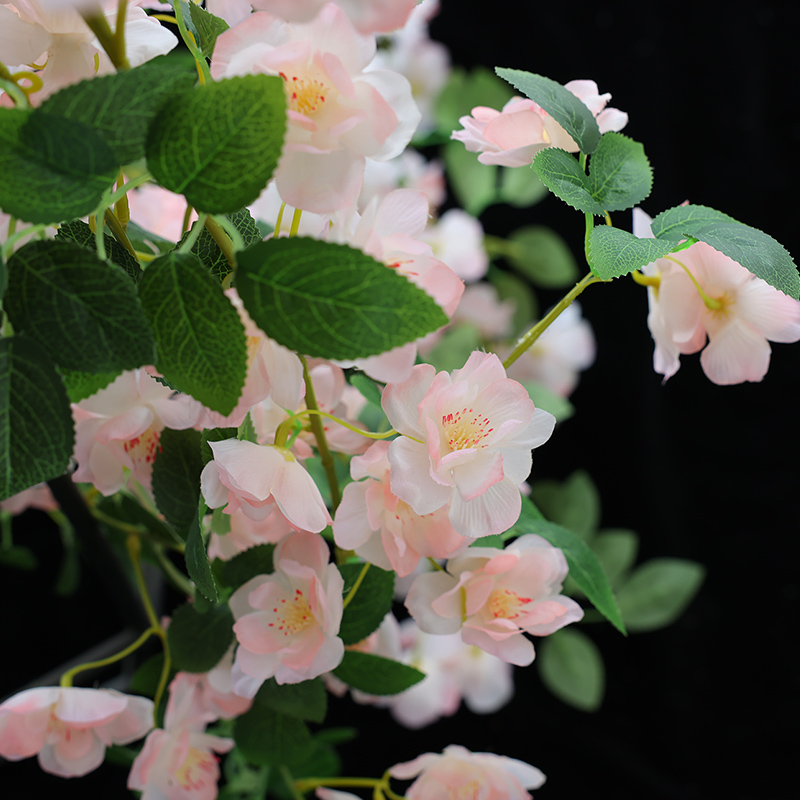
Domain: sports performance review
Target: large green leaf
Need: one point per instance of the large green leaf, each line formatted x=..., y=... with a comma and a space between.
x=83, y=311
x=330, y=300
x=36, y=431
x=375, y=674
x=51, y=169
x=614, y=252
x=200, y=338
x=197, y=642
x=80, y=233
x=369, y=605
x=176, y=477
x=753, y=249
x=572, y=668
x=542, y=256
x=306, y=700
x=219, y=144
x=244, y=566
x=268, y=737
x=204, y=25
x=565, y=108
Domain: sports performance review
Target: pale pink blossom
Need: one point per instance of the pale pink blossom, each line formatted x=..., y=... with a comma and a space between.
x=287, y=622
x=383, y=529
x=368, y=16
x=513, y=136
x=338, y=114
x=493, y=597
x=457, y=239
x=460, y=773
x=482, y=307
x=38, y=496
x=120, y=426
x=196, y=700
x=70, y=727
x=251, y=477
x=246, y=532
x=409, y=170
x=467, y=440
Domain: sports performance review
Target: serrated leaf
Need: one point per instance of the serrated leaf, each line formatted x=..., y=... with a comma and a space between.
x=370, y=604
x=376, y=675
x=565, y=108
x=51, y=169
x=620, y=176
x=205, y=27
x=307, y=700
x=200, y=337
x=219, y=144
x=542, y=256
x=36, y=430
x=121, y=107
x=80, y=233
x=266, y=737
x=658, y=591
x=614, y=252
x=755, y=250
x=571, y=667
x=197, y=564
x=81, y=385
x=244, y=566
x=561, y=173
x=176, y=477
x=331, y=300
x=197, y=642
x=83, y=311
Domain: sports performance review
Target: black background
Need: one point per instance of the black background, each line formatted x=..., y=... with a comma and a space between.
x=705, y=708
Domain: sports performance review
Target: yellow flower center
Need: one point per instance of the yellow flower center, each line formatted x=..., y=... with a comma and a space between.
x=466, y=428
x=197, y=769
x=294, y=615
x=506, y=604
x=305, y=95
x=143, y=448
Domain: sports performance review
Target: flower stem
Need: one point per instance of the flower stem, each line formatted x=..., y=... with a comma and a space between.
x=223, y=241
x=711, y=303
x=359, y=580
x=285, y=428
x=200, y=60
x=119, y=231
x=109, y=40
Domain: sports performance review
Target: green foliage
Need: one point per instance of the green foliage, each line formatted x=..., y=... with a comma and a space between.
x=658, y=592
x=565, y=108
x=204, y=26
x=542, y=397
x=474, y=184
x=542, y=256
x=200, y=338
x=198, y=641
x=575, y=503
x=176, y=477
x=124, y=508
x=36, y=431
x=616, y=549
x=80, y=233
x=561, y=173
x=81, y=385
x=614, y=252
x=330, y=300
x=454, y=348
x=197, y=564
x=219, y=144
x=213, y=435
x=370, y=604
x=375, y=674
x=481, y=87
x=753, y=249
x=267, y=737
x=121, y=107
x=367, y=387
x=520, y=187
x=82, y=311
x=244, y=566
x=307, y=700
x=51, y=169
x=571, y=667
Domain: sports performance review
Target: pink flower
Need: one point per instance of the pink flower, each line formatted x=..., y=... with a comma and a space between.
x=459, y=773
x=382, y=528
x=495, y=596
x=251, y=477
x=286, y=622
x=368, y=16
x=245, y=533
x=38, y=496
x=339, y=114
x=200, y=699
x=513, y=136
x=466, y=440
x=457, y=239
x=70, y=727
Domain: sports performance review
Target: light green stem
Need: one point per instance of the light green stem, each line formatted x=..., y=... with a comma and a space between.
x=285, y=428
x=194, y=233
x=109, y=41
x=223, y=241
x=119, y=231
x=359, y=580
x=191, y=44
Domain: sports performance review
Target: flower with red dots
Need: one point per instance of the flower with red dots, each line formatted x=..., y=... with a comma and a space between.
x=495, y=596
x=467, y=440
x=287, y=622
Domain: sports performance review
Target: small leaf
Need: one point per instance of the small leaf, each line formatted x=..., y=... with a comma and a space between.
x=176, y=477
x=80, y=233
x=205, y=27
x=369, y=390
x=197, y=564
x=244, y=566
x=370, y=604
x=266, y=737
x=575, y=503
x=572, y=668
x=616, y=550
x=615, y=252
x=658, y=592
x=200, y=337
x=481, y=87
x=620, y=176
x=512, y=287
x=219, y=144
x=565, y=108
x=474, y=184
x=542, y=256
x=330, y=300
x=520, y=187
x=197, y=642
x=376, y=675
x=307, y=700
x=562, y=175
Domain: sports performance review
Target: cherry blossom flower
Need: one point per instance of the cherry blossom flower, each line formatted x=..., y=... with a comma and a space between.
x=339, y=114
x=368, y=16
x=286, y=622
x=494, y=596
x=246, y=532
x=70, y=727
x=513, y=136
x=460, y=773
x=457, y=239
x=466, y=440
x=203, y=698
x=409, y=170
x=251, y=477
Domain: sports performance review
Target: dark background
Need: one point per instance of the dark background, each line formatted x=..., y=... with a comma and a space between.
x=705, y=708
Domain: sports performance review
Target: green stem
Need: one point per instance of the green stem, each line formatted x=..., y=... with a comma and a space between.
x=223, y=241
x=111, y=198
x=134, y=547
x=286, y=427
x=179, y=580
x=119, y=231
x=295, y=222
x=711, y=303
x=290, y=783
x=541, y=326
x=99, y=241
x=8, y=245
x=191, y=44
x=98, y=25
x=194, y=233
x=359, y=580
x=13, y=91
x=495, y=246
x=307, y=784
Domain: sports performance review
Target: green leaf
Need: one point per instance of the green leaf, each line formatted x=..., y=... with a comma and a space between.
x=307, y=700
x=83, y=311
x=376, y=675
x=542, y=256
x=200, y=338
x=481, y=87
x=658, y=592
x=205, y=27
x=80, y=233
x=565, y=108
x=331, y=300
x=575, y=503
x=571, y=667
x=219, y=144
x=511, y=287
x=81, y=385
x=561, y=173
x=244, y=566
x=3, y=279
x=51, y=169
x=520, y=187
x=146, y=678
x=124, y=508
x=176, y=477
x=455, y=347
x=370, y=390
x=370, y=604
x=266, y=737
x=614, y=252
x=18, y=557
x=616, y=549
x=122, y=106
x=36, y=431
x=755, y=250
x=474, y=184
x=197, y=564
x=620, y=176
x=197, y=642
